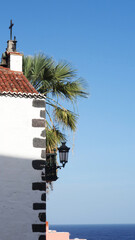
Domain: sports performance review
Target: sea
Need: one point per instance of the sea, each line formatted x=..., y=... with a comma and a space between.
x=98, y=232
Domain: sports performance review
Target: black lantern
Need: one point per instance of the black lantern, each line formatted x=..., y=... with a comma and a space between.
x=63, y=153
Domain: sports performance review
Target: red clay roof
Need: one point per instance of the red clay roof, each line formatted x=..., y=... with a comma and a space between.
x=15, y=82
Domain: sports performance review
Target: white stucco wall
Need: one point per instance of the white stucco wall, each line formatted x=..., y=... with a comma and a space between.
x=16, y=171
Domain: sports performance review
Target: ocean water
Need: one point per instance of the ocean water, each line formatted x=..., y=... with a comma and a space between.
x=98, y=232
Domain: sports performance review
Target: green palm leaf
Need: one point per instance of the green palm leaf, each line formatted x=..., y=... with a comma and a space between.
x=59, y=80
x=53, y=138
x=66, y=118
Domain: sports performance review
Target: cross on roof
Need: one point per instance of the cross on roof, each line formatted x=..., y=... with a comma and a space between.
x=10, y=27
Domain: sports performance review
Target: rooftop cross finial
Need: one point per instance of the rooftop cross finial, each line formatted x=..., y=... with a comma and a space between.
x=10, y=27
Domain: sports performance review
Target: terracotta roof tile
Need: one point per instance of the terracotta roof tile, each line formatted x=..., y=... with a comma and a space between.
x=15, y=82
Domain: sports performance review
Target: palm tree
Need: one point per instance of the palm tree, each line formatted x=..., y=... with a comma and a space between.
x=59, y=83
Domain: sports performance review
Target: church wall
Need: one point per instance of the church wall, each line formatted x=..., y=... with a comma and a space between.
x=22, y=191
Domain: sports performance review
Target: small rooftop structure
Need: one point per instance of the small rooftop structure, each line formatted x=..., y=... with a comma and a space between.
x=54, y=235
x=11, y=58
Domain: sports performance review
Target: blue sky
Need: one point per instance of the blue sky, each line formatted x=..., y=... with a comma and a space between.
x=98, y=38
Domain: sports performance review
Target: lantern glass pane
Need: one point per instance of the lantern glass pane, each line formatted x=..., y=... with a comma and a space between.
x=66, y=157
x=63, y=157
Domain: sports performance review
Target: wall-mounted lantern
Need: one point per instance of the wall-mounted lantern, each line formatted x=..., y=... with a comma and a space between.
x=51, y=164
x=63, y=153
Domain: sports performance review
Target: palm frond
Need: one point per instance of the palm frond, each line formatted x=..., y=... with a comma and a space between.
x=27, y=66
x=56, y=81
x=69, y=90
x=53, y=138
x=64, y=70
x=66, y=118
x=34, y=68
